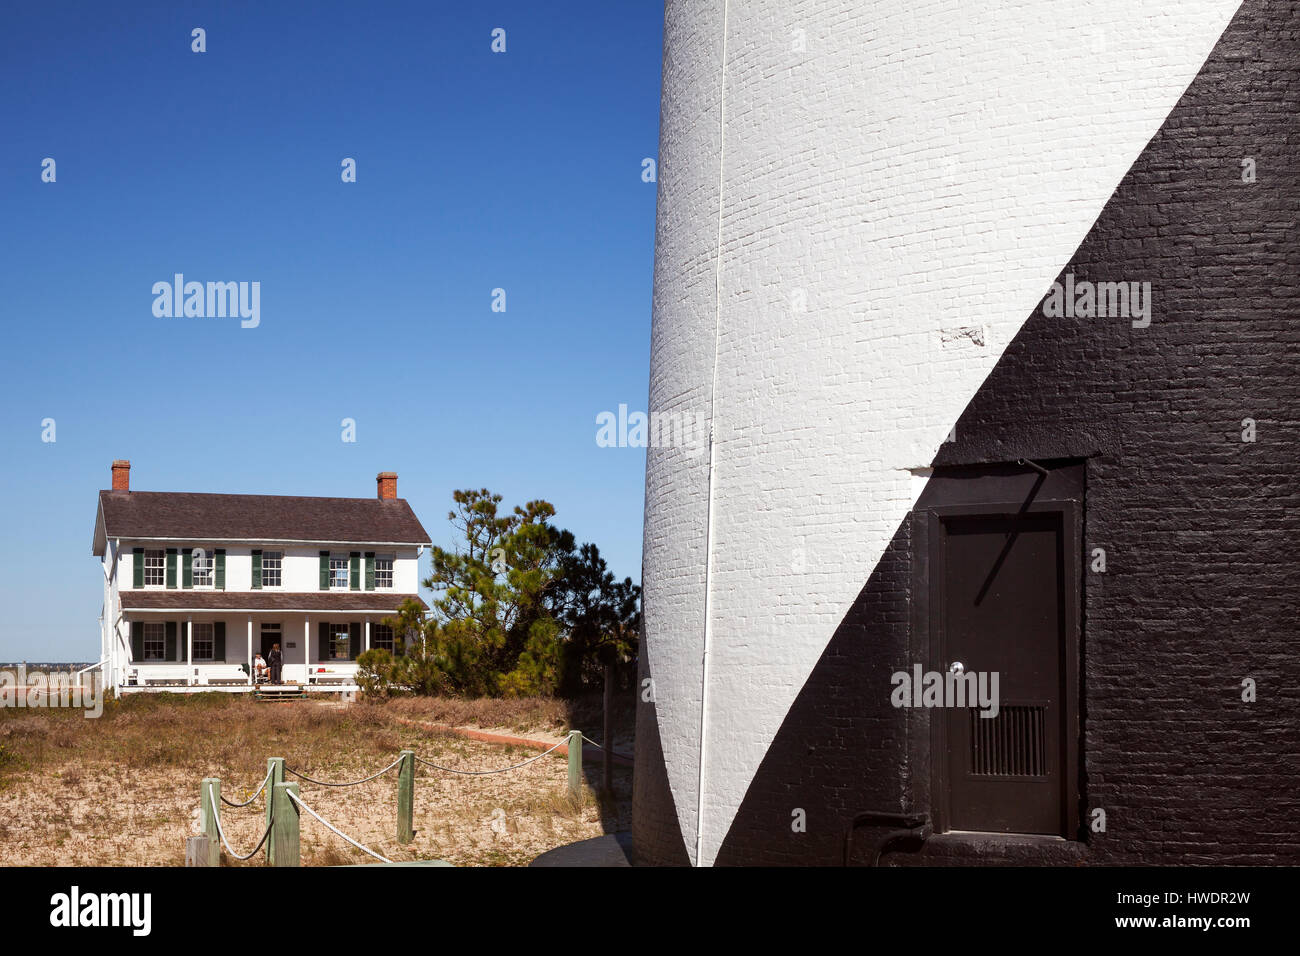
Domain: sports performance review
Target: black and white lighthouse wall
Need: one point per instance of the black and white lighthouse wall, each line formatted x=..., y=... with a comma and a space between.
x=903, y=247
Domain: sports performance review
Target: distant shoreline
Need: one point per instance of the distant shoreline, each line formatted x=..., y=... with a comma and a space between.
x=46, y=665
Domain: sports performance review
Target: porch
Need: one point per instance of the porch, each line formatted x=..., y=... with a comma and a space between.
x=215, y=651
x=202, y=678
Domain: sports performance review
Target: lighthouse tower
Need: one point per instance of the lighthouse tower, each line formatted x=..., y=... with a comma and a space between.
x=991, y=309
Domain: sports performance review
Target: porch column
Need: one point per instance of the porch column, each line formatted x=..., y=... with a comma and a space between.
x=189, y=651
x=250, y=650
x=366, y=647
x=306, y=651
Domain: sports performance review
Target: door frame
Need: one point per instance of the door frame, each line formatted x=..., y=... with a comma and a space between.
x=262, y=637
x=928, y=587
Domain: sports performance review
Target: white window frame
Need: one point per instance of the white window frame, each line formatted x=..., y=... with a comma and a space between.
x=210, y=565
x=211, y=640
x=279, y=568
x=392, y=567
x=345, y=560
x=160, y=568
x=153, y=632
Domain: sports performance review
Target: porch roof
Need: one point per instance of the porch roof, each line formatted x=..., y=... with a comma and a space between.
x=322, y=601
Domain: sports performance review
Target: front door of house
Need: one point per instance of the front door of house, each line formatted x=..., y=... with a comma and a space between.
x=270, y=635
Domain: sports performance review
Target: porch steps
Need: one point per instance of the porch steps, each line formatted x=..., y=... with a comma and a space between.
x=280, y=692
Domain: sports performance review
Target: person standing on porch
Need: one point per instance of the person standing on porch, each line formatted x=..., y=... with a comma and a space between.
x=275, y=659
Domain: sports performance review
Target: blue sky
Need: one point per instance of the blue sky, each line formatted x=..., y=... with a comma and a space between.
x=475, y=171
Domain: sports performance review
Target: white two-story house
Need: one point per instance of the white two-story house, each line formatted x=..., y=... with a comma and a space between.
x=196, y=584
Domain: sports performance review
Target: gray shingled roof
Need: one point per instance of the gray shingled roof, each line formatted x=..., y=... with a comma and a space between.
x=195, y=517
x=185, y=600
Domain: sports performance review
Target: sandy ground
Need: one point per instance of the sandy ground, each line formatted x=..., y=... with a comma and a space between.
x=84, y=812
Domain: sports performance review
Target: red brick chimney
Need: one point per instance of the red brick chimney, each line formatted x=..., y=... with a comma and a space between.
x=387, y=484
x=121, y=475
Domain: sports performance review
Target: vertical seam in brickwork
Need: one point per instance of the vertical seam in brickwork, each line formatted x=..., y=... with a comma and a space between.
x=713, y=411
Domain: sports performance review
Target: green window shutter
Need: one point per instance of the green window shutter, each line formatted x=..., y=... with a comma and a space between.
x=137, y=642
x=324, y=570
x=137, y=567
x=171, y=568
x=219, y=641
x=355, y=637
x=187, y=568
x=370, y=570
x=323, y=641
x=354, y=571
x=257, y=569
x=170, y=653
x=219, y=570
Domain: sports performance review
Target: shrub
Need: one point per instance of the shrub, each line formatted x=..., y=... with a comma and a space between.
x=375, y=673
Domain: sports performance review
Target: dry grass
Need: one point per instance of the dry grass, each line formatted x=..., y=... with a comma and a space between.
x=520, y=714
x=541, y=718
x=123, y=789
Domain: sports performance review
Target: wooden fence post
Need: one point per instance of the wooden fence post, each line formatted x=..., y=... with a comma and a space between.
x=575, y=764
x=197, y=849
x=210, y=793
x=284, y=831
x=275, y=767
x=406, y=798
x=607, y=771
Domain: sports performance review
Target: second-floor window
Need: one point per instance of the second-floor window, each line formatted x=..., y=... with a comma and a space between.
x=155, y=641
x=202, y=568
x=203, y=642
x=271, y=562
x=338, y=571
x=155, y=568
x=384, y=571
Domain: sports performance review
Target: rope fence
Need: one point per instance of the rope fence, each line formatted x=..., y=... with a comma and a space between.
x=283, y=802
x=296, y=799
x=260, y=788
x=222, y=833
x=481, y=773
x=621, y=756
x=350, y=783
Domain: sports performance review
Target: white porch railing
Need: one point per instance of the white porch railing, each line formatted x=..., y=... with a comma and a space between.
x=225, y=675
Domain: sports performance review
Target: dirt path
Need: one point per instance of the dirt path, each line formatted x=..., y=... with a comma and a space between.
x=541, y=741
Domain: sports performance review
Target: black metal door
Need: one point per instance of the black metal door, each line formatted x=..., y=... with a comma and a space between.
x=1002, y=610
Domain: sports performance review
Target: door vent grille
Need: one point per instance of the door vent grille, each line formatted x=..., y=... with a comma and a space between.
x=1012, y=744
